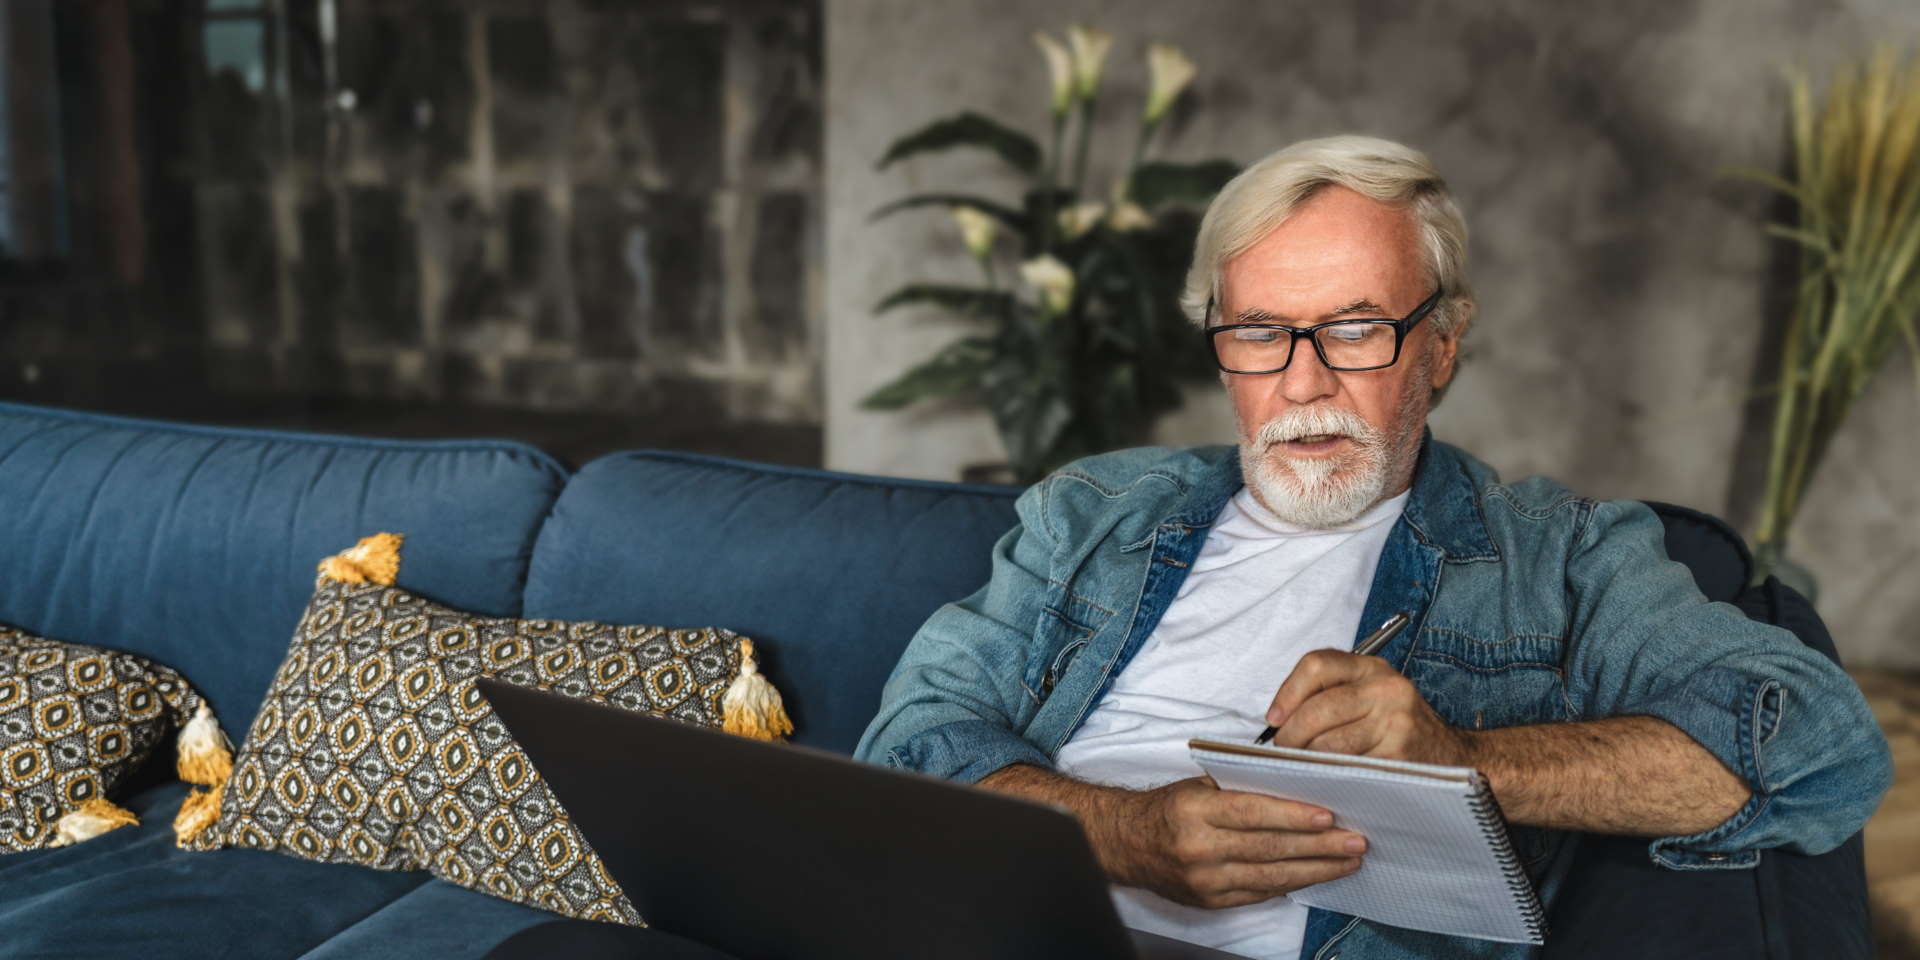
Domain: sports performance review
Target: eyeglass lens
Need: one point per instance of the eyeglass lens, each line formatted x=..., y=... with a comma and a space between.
x=1349, y=345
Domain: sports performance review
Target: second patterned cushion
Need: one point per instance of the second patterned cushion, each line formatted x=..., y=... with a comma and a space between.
x=373, y=746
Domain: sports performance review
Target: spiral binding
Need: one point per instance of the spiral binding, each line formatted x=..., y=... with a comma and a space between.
x=1493, y=826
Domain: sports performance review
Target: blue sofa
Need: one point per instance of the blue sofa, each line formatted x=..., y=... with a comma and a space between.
x=196, y=546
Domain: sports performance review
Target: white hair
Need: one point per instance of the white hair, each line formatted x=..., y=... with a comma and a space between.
x=1252, y=204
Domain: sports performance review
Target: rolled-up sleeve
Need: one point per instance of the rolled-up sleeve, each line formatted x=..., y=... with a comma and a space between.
x=1777, y=713
x=955, y=702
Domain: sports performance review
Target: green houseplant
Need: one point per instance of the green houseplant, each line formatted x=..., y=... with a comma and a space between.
x=1855, y=182
x=1084, y=345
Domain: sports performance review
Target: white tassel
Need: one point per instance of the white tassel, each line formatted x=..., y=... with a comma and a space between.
x=95, y=817
x=202, y=749
x=751, y=706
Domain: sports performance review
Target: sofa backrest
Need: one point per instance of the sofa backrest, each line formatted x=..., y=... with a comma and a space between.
x=196, y=546
x=830, y=573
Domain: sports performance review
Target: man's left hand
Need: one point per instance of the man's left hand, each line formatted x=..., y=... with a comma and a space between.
x=1340, y=702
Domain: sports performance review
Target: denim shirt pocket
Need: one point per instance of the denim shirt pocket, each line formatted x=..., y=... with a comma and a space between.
x=1067, y=626
x=1479, y=683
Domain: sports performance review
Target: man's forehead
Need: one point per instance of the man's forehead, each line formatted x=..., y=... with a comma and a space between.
x=1338, y=254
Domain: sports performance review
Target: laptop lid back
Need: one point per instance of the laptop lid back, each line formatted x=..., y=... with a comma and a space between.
x=767, y=850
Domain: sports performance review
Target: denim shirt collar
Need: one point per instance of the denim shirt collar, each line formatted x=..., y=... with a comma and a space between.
x=1443, y=510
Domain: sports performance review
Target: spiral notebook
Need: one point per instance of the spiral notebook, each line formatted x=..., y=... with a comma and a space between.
x=1438, y=857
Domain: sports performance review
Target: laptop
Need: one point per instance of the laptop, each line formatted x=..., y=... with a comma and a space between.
x=772, y=850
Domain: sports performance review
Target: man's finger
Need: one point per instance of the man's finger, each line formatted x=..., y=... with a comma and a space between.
x=1355, y=739
x=1315, y=672
x=1329, y=709
x=1255, y=811
x=1272, y=846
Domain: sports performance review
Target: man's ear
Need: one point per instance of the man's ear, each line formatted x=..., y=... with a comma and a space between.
x=1446, y=353
x=1446, y=350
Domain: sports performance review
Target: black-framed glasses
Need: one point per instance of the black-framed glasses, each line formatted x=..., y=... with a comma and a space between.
x=1347, y=344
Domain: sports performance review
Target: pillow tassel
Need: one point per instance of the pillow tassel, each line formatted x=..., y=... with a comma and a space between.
x=197, y=812
x=751, y=706
x=374, y=559
x=94, y=817
x=206, y=761
x=204, y=757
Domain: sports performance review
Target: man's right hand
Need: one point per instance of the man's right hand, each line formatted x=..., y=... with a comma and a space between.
x=1194, y=843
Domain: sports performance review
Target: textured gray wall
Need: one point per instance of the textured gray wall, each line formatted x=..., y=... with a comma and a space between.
x=1625, y=288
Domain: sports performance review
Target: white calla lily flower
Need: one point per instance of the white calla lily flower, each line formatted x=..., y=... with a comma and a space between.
x=1171, y=70
x=976, y=230
x=1059, y=69
x=1090, y=46
x=1080, y=218
x=1128, y=217
x=1053, y=280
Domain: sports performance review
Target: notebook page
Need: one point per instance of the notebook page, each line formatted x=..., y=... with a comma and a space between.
x=1428, y=864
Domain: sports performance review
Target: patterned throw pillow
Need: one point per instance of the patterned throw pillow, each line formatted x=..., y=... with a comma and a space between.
x=373, y=746
x=74, y=721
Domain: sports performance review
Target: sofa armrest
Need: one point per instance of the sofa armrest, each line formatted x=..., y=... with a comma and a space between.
x=1617, y=903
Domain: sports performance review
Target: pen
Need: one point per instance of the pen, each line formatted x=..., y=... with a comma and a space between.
x=1368, y=647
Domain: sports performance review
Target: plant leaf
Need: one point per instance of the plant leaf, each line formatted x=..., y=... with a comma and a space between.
x=1764, y=178
x=999, y=211
x=1817, y=243
x=1030, y=414
x=961, y=365
x=972, y=300
x=968, y=129
x=1157, y=184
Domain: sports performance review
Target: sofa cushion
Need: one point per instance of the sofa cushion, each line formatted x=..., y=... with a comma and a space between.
x=833, y=571
x=195, y=545
x=440, y=920
x=374, y=747
x=74, y=721
x=132, y=893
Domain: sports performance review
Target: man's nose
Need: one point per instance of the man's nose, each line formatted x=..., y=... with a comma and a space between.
x=1306, y=379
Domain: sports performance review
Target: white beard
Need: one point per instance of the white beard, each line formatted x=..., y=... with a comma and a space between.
x=1326, y=492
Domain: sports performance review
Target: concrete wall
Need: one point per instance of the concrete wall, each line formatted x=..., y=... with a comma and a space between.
x=513, y=204
x=1626, y=290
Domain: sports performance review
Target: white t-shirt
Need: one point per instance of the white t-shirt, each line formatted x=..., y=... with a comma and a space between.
x=1261, y=594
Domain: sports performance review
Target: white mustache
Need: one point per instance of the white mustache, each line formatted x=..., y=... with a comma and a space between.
x=1317, y=421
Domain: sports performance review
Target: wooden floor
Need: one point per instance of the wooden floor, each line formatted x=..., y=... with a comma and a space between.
x=1893, y=835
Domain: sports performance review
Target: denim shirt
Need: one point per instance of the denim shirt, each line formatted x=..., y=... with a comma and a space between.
x=1529, y=605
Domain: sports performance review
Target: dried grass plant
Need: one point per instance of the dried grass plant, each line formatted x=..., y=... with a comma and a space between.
x=1856, y=184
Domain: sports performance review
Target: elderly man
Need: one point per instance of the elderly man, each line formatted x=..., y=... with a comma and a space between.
x=1150, y=596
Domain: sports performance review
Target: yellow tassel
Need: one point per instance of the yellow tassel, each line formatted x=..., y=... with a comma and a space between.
x=96, y=816
x=374, y=559
x=202, y=752
x=751, y=706
x=204, y=758
x=197, y=812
